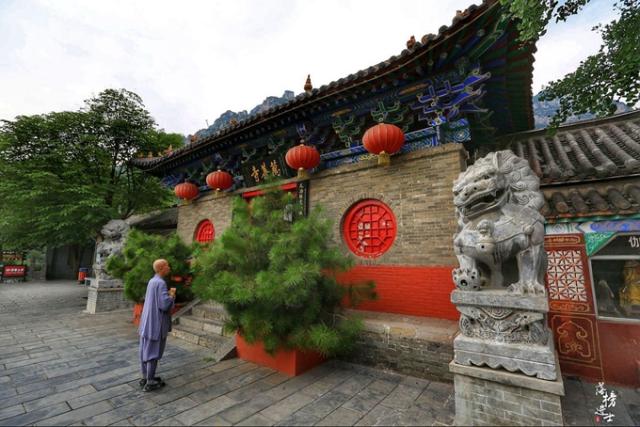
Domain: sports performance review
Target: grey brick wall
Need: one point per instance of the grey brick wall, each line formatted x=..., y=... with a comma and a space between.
x=485, y=403
x=417, y=187
x=214, y=207
x=407, y=355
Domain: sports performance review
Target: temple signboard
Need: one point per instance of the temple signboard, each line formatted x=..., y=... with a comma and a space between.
x=256, y=172
x=11, y=257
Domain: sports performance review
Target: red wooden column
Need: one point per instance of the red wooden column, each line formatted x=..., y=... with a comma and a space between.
x=571, y=308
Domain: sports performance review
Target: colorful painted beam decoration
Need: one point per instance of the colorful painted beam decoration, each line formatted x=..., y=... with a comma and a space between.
x=441, y=104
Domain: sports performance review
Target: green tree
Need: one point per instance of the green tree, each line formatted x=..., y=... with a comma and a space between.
x=272, y=270
x=611, y=75
x=65, y=174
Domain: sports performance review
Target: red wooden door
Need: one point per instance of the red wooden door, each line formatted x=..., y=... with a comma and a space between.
x=571, y=309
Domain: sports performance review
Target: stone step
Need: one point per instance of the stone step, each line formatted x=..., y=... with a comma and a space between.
x=205, y=327
x=212, y=326
x=211, y=311
x=199, y=337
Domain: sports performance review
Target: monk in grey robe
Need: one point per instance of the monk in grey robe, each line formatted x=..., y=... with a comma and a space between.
x=155, y=324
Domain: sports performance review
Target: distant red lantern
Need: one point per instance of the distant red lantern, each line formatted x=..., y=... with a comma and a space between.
x=383, y=139
x=302, y=158
x=219, y=180
x=187, y=191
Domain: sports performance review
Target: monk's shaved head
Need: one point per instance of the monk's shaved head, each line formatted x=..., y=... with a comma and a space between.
x=159, y=264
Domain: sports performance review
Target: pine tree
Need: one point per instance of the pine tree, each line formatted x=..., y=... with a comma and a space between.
x=135, y=264
x=273, y=270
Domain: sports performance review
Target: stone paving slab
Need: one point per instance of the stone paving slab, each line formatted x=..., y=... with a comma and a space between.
x=60, y=366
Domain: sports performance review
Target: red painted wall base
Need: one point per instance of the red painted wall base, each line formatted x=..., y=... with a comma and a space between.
x=411, y=290
x=291, y=362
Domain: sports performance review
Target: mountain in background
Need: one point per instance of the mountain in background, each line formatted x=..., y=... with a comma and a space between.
x=544, y=110
x=272, y=101
x=229, y=117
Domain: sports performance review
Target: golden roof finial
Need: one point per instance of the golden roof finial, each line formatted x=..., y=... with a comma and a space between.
x=308, y=86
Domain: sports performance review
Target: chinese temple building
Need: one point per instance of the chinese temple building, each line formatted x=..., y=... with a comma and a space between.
x=455, y=96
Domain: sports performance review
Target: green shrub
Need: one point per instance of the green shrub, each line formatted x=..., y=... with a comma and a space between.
x=135, y=264
x=273, y=270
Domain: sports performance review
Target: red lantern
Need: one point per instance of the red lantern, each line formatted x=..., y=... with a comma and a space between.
x=383, y=139
x=302, y=158
x=187, y=191
x=219, y=180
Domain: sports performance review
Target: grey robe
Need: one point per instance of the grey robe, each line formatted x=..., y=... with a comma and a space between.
x=155, y=322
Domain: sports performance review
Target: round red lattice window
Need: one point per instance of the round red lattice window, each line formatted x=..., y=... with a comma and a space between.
x=369, y=228
x=205, y=232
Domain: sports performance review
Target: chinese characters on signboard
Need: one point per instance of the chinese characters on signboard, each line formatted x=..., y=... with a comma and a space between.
x=257, y=172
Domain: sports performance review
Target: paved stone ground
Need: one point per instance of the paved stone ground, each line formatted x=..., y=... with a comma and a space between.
x=59, y=366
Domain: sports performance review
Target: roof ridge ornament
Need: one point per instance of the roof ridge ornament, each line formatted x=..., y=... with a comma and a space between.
x=308, y=87
x=411, y=42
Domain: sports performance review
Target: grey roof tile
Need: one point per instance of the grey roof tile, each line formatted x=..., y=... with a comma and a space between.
x=590, y=150
x=585, y=201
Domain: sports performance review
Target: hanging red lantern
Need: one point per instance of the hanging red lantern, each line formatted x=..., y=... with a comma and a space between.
x=383, y=139
x=219, y=180
x=303, y=158
x=187, y=191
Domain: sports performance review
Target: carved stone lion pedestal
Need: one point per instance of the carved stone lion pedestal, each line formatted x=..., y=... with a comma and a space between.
x=106, y=293
x=502, y=330
x=505, y=367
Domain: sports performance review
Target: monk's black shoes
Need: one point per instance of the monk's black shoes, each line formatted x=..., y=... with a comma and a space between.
x=152, y=385
x=155, y=384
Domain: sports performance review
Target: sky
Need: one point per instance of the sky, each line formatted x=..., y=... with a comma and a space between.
x=191, y=60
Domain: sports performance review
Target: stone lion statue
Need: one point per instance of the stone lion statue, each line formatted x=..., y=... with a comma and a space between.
x=114, y=235
x=501, y=231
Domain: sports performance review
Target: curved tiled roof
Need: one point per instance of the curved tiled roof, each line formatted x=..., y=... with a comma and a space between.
x=583, y=151
x=590, y=201
x=418, y=49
